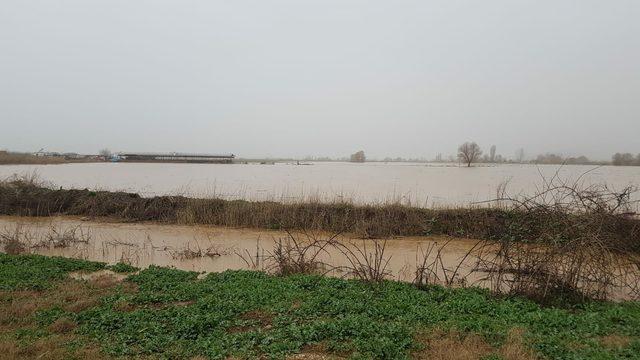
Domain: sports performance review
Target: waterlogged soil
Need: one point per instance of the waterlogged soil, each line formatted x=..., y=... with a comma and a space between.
x=216, y=249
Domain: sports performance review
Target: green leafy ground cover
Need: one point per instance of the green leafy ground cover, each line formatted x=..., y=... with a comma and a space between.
x=32, y=272
x=168, y=313
x=122, y=268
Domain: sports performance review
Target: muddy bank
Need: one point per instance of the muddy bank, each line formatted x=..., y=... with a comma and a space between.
x=22, y=198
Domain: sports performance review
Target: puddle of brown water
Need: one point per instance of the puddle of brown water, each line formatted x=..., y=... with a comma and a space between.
x=80, y=275
x=144, y=244
x=216, y=249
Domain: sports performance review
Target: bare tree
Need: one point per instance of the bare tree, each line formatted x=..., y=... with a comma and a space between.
x=550, y=158
x=625, y=159
x=469, y=152
x=358, y=157
x=492, y=155
x=106, y=153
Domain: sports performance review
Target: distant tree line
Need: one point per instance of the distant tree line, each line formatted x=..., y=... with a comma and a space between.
x=625, y=159
x=470, y=152
x=555, y=159
x=358, y=157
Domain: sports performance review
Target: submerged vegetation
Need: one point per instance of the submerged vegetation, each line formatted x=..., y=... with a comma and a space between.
x=167, y=313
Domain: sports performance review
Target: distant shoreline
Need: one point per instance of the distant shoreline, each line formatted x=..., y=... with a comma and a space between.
x=29, y=159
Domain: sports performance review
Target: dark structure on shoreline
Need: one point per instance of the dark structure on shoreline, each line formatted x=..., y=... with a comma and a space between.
x=177, y=158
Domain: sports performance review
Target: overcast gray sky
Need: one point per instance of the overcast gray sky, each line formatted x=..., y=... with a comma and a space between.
x=327, y=77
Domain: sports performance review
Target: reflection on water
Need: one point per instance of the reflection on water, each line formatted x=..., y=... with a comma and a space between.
x=418, y=184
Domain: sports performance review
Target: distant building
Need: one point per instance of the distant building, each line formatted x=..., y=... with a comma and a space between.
x=176, y=158
x=43, y=153
x=73, y=156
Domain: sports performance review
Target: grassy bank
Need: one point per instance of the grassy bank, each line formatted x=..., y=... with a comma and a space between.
x=166, y=313
x=25, y=198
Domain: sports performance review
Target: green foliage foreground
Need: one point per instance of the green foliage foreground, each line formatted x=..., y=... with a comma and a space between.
x=173, y=314
x=35, y=272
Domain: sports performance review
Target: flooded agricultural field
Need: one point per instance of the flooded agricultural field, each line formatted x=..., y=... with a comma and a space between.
x=418, y=184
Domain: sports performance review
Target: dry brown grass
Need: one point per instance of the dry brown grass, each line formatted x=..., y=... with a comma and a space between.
x=17, y=159
x=51, y=348
x=124, y=306
x=18, y=309
x=515, y=348
x=316, y=352
x=259, y=320
x=313, y=356
x=27, y=197
x=453, y=345
x=615, y=341
x=62, y=326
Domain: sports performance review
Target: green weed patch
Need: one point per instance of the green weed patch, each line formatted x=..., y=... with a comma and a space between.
x=246, y=314
x=35, y=272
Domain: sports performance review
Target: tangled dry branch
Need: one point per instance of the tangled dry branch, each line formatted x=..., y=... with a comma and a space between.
x=587, y=247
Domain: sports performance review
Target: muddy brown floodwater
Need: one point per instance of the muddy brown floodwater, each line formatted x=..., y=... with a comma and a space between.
x=215, y=249
x=418, y=184
x=206, y=248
